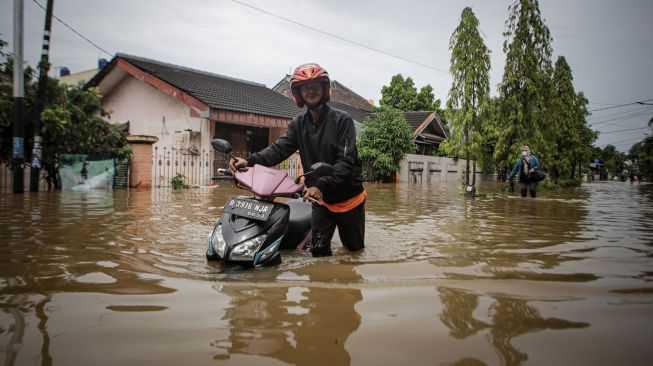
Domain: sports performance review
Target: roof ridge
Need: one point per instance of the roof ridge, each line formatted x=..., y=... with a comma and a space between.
x=144, y=59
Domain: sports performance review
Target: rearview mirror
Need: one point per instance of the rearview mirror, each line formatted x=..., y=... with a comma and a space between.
x=322, y=169
x=221, y=145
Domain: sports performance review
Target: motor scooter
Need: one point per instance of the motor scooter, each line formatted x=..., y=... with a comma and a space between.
x=252, y=229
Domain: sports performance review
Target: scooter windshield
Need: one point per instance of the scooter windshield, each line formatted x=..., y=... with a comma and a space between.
x=268, y=182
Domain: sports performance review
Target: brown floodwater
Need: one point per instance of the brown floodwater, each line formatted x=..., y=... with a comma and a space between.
x=120, y=278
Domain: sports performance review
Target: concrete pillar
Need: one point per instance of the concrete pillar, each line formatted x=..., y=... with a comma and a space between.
x=140, y=172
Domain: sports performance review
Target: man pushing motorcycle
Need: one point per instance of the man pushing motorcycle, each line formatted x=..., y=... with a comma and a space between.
x=322, y=134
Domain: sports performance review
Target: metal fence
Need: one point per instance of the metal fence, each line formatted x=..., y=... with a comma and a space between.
x=167, y=163
x=7, y=178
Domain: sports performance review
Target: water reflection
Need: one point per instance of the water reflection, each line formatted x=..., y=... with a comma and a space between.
x=299, y=325
x=457, y=313
x=510, y=318
x=55, y=244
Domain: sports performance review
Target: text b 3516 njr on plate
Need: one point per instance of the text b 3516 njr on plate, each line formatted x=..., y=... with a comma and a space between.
x=248, y=208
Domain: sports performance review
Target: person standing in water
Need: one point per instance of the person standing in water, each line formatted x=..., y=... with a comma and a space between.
x=527, y=165
x=322, y=134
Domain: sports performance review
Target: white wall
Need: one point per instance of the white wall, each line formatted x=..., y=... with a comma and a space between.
x=151, y=112
x=423, y=168
x=154, y=113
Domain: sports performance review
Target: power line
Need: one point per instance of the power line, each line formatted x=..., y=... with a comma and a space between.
x=76, y=32
x=638, y=109
x=628, y=129
x=616, y=106
x=626, y=140
x=341, y=38
x=625, y=117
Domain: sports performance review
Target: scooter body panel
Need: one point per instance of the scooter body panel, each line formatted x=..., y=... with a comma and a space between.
x=249, y=241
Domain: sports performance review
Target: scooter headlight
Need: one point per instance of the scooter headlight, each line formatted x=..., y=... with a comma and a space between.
x=217, y=242
x=267, y=252
x=246, y=250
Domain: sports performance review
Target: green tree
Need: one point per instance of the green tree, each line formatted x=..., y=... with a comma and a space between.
x=75, y=124
x=469, y=93
x=613, y=160
x=402, y=94
x=524, y=90
x=7, y=105
x=386, y=138
x=642, y=154
x=426, y=100
x=582, y=153
x=563, y=124
x=72, y=122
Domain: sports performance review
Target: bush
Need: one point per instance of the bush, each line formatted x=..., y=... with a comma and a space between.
x=177, y=182
x=384, y=141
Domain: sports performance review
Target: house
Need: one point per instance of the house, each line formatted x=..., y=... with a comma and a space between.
x=428, y=131
x=174, y=112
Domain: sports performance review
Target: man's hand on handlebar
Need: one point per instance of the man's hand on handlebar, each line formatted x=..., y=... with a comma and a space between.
x=313, y=193
x=237, y=163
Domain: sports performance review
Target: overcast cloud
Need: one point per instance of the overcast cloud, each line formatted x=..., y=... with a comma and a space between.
x=608, y=44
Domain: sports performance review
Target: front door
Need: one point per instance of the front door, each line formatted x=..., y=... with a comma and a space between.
x=244, y=140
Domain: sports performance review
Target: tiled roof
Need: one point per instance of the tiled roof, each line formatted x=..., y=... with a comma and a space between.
x=219, y=91
x=415, y=119
x=355, y=113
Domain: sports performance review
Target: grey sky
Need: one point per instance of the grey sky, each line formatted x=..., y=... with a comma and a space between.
x=608, y=44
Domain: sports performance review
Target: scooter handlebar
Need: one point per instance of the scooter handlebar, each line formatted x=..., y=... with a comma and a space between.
x=225, y=171
x=313, y=200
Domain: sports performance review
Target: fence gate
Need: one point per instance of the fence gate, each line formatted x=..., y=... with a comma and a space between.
x=167, y=163
x=7, y=178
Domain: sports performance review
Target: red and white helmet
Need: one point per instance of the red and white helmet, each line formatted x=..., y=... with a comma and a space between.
x=307, y=73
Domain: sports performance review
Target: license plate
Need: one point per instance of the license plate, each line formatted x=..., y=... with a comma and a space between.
x=250, y=209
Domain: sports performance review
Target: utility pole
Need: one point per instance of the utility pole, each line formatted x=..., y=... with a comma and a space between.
x=44, y=65
x=18, y=155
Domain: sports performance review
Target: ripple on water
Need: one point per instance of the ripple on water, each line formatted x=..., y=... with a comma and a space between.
x=405, y=223
x=96, y=277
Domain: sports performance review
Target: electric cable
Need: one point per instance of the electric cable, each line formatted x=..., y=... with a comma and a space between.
x=622, y=118
x=628, y=129
x=341, y=38
x=628, y=140
x=76, y=32
x=619, y=105
x=616, y=114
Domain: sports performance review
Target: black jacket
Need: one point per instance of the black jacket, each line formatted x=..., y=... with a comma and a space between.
x=331, y=140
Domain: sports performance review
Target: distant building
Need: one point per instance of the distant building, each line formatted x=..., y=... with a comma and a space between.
x=428, y=131
x=79, y=78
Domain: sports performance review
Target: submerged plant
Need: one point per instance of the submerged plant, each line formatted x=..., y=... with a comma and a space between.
x=177, y=182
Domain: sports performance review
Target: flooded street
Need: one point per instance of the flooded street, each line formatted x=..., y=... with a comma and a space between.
x=120, y=278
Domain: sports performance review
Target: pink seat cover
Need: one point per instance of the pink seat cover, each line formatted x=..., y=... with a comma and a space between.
x=267, y=182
